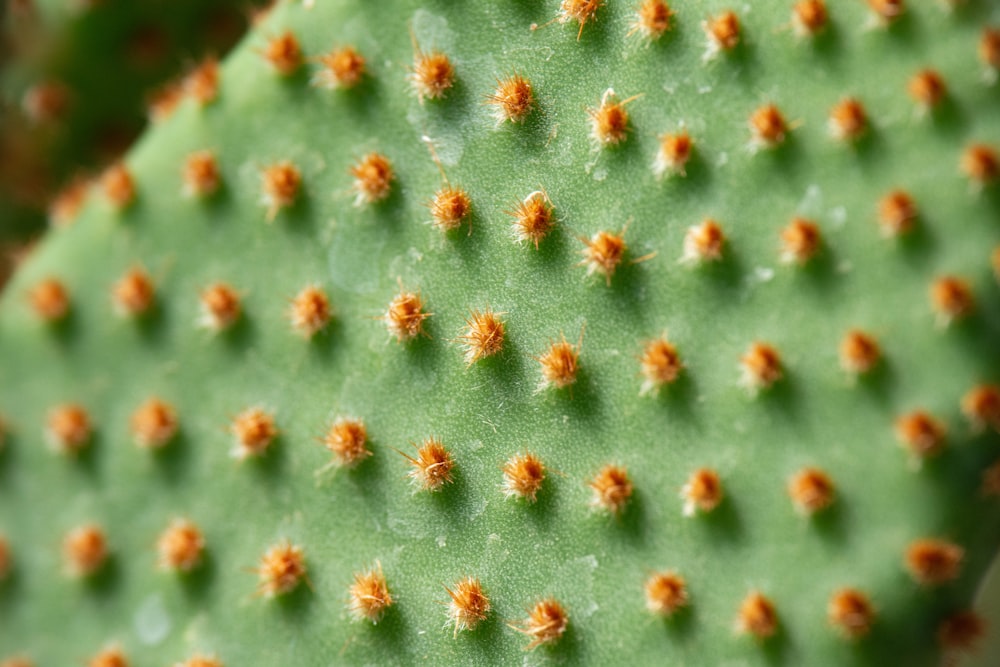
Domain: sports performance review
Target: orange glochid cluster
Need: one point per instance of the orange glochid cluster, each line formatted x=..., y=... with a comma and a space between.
x=483, y=336
x=811, y=491
x=342, y=67
x=580, y=11
x=927, y=88
x=660, y=365
x=202, y=82
x=702, y=492
x=981, y=406
x=757, y=617
x=703, y=243
x=652, y=19
x=512, y=100
x=981, y=164
x=118, y=186
x=897, y=213
x=560, y=363
x=280, y=185
x=922, y=434
x=534, y=218
x=111, y=656
x=673, y=154
x=989, y=485
x=450, y=207
x=603, y=252
x=859, y=352
x=219, y=307
x=523, y=475
x=723, y=33
x=68, y=428
x=768, y=127
x=848, y=120
x=404, y=318
x=201, y=175
x=368, y=596
x=962, y=631
x=609, y=122
x=887, y=11
x=6, y=559
x=310, y=311
x=468, y=605
x=373, y=176
x=951, y=299
x=851, y=613
x=258, y=15
x=85, y=550
x=801, y=240
x=162, y=102
x=666, y=593
x=432, y=467
x=810, y=17
x=988, y=48
x=154, y=424
x=347, y=440
x=134, y=294
x=66, y=204
x=201, y=661
x=46, y=102
x=49, y=299
x=546, y=623
x=611, y=489
x=180, y=546
x=760, y=367
x=932, y=562
x=281, y=569
x=431, y=75
x=283, y=53
x=253, y=431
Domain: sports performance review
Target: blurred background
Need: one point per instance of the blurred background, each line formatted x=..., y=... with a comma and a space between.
x=79, y=81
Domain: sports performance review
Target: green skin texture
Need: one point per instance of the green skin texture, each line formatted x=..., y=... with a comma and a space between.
x=560, y=546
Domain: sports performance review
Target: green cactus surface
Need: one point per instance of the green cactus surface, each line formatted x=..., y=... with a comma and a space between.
x=339, y=188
